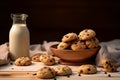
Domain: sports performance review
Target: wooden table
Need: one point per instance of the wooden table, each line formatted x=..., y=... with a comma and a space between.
x=12, y=72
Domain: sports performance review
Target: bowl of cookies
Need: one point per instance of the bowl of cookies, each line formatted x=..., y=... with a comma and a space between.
x=75, y=48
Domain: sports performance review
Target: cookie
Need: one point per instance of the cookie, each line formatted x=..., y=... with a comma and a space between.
x=87, y=69
x=23, y=61
x=77, y=45
x=35, y=58
x=46, y=73
x=69, y=37
x=63, y=70
x=92, y=43
x=47, y=59
x=108, y=65
x=63, y=45
x=87, y=34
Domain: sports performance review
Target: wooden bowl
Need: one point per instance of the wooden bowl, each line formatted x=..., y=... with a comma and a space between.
x=74, y=56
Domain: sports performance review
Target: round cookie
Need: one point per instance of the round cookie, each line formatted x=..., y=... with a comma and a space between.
x=35, y=57
x=87, y=69
x=108, y=65
x=46, y=73
x=92, y=43
x=86, y=34
x=63, y=45
x=47, y=59
x=63, y=70
x=69, y=37
x=23, y=61
x=77, y=45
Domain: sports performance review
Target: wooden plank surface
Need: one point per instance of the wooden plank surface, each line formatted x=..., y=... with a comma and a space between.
x=32, y=76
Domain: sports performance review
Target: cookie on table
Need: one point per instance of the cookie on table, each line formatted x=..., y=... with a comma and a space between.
x=77, y=45
x=35, y=58
x=108, y=65
x=92, y=43
x=23, y=61
x=46, y=73
x=63, y=45
x=87, y=69
x=63, y=70
x=47, y=59
x=87, y=34
x=69, y=37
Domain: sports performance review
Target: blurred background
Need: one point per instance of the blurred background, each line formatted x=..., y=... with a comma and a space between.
x=51, y=19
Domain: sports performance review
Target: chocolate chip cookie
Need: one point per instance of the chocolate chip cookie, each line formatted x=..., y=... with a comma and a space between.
x=77, y=45
x=46, y=73
x=87, y=34
x=63, y=70
x=47, y=59
x=87, y=69
x=92, y=43
x=69, y=37
x=108, y=65
x=35, y=58
x=63, y=45
x=23, y=61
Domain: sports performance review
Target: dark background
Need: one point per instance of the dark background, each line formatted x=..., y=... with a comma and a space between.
x=51, y=19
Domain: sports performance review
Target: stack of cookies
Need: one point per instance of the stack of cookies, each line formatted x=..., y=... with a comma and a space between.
x=85, y=40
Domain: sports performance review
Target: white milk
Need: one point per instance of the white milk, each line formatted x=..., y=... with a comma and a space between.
x=19, y=41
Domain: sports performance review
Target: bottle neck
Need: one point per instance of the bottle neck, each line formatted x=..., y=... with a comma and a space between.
x=19, y=21
x=19, y=18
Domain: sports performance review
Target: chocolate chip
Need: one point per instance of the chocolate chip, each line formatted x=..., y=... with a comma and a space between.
x=45, y=67
x=113, y=69
x=34, y=74
x=68, y=76
x=89, y=69
x=51, y=61
x=105, y=72
x=106, y=62
x=67, y=36
x=11, y=63
x=87, y=34
x=109, y=75
x=79, y=74
x=75, y=43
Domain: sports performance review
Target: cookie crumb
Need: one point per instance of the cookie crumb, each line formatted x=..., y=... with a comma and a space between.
x=79, y=74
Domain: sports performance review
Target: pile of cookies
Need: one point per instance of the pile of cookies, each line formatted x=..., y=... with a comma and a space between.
x=44, y=58
x=48, y=72
x=63, y=70
x=85, y=40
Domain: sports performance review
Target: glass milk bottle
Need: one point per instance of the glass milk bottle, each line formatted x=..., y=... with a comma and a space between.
x=19, y=39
